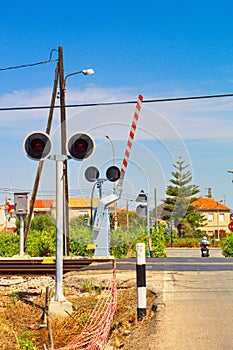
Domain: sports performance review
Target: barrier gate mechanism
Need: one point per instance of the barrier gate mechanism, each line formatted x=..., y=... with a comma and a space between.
x=101, y=223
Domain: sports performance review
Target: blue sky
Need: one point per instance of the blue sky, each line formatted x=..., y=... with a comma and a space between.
x=157, y=49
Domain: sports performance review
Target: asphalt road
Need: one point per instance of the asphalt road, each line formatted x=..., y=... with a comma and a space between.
x=176, y=260
x=194, y=298
x=195, y=305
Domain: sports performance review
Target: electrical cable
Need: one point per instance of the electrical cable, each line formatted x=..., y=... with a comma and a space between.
x=32, y=64
x=172, y=99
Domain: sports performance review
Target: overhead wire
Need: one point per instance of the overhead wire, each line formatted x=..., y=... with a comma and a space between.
x=32, y=64
x=171, y=99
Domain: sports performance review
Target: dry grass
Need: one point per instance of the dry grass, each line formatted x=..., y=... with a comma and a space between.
x=22, y=322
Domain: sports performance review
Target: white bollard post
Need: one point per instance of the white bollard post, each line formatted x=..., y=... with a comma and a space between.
x=141, y=280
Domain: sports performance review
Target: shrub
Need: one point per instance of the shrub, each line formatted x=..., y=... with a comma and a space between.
x=158, y=242
x=186, y=242
x=41, y=243
x=80, y=237
x=42, y=222
x=9, y=245
x=121, y=241
x=227, y=245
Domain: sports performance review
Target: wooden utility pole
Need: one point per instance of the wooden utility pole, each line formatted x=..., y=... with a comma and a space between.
x=63, y=147
x=41, y=163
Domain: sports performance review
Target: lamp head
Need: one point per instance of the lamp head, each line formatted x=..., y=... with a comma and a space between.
x=88, y=71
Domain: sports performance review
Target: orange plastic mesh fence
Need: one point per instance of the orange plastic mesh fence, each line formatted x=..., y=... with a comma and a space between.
x=94, y=335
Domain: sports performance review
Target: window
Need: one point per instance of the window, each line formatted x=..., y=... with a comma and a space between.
x=221, y=217
x=210, y=217
x=83, y=212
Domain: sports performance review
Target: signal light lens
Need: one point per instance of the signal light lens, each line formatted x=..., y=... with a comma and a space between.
x=80, y=146
x=38, y=145
x=92, y=174
x=141, y=210
x=113, y=173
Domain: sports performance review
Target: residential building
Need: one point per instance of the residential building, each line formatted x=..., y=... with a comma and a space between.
x=77, y=206
x=217, y=216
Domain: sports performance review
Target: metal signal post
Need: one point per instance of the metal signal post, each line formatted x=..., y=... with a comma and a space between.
x=63, y=147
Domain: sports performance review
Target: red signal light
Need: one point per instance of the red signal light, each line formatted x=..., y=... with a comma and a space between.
x=80, y=146
x=38, y=145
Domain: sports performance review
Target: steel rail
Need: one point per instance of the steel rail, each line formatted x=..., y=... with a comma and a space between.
x=42, y=266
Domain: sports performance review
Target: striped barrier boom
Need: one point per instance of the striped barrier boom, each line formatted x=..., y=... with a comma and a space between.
x=130, y=140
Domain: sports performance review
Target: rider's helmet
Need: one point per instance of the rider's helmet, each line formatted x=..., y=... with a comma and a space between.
x=205, y=237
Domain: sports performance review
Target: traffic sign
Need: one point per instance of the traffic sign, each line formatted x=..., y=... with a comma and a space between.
x=230, y=226
x=115, y=218
x=231, y=216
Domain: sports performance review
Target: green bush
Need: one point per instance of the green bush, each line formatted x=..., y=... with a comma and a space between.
x=186, y=242
x=227, y=245
x=9, y=245
x=42, y=222
x=41, y=243
x=158, y=242
x=80, y=236
x=121, y=241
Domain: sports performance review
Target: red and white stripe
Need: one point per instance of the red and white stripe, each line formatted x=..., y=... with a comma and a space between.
x=130, y=139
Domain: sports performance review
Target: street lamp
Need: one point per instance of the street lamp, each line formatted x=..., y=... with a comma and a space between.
x=88, y=71
x=62, y=83
x=114, y=184
x=113, y=150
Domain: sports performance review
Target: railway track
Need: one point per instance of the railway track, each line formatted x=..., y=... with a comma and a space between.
x=41, y=266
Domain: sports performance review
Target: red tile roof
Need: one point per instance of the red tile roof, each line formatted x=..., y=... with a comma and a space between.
x=43, y=203
x=209, y=204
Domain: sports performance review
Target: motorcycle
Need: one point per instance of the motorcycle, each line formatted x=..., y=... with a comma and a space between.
x=205, y=251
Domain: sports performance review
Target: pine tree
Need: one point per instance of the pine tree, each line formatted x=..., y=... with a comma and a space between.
x=181, y=194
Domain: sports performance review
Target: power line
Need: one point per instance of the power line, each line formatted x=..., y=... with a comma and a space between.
x=32, y=64
x=28, y=65
x=172, y=99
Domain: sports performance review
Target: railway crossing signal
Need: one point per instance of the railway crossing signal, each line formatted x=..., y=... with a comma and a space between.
x=92, y=174
x=38, y=145
x=142, y=209
x=80, y=146
x=113, y=173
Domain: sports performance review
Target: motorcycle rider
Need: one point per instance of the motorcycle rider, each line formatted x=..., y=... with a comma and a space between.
x=205, y=243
